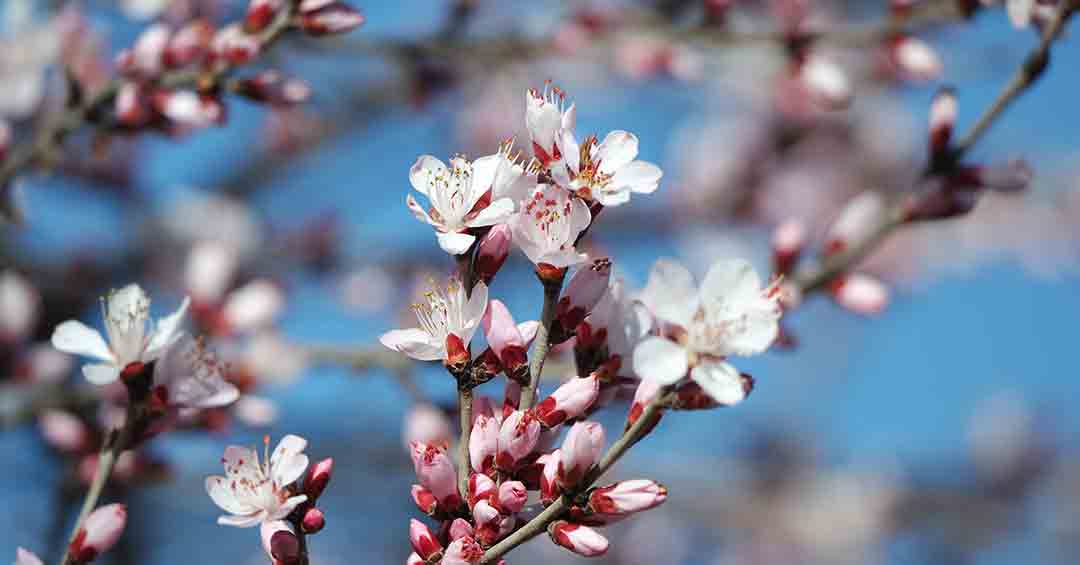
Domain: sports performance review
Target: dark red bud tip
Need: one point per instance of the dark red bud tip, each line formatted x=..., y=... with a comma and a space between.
x=313, y=522
x=133, y=371
x=318, y=476
x=284, y=547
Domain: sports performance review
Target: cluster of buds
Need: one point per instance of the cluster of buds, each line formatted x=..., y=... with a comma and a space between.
x=144, y=100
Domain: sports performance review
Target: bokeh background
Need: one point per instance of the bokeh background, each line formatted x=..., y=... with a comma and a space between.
x=941, y=430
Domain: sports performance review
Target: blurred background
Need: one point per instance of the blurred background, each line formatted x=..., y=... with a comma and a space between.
x=937, y=430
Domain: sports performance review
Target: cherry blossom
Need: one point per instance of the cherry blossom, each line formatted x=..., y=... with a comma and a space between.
x=253, y=492
x=132, y=337
x=548, y=225
x=731, y=314
x=545, y=118
x=188, y=375
x=607, y=171
x=447, y=323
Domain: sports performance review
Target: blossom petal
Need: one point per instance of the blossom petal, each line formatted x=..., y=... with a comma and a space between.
x=729, y=281
x=218, y=489
x=638, y=176
x=414, y=342
x=288, y=462
x=288, y=506
x=165, y=332
x=721, y=381
x=455, y=243
x=617, y=150
x=77, y=338
x=240, y=462
x=101, y=373
x=496, y=213
x=660, y=360
x=418, y=211
x=671, y=294
x=423, y=170
x=249, y=521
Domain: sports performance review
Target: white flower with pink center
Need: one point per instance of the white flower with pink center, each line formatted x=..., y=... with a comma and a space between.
x=546, y=115
x=548, y=225
x=464, y=195
x=190, y=376
x=447, y=319
x=606, y=172
x=731, y=314
x=132, y=337
x=253, y=492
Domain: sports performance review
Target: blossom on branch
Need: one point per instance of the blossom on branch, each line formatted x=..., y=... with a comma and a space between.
x=253, y=492
x=548, y=225
x=606, y=172
x=447, y=324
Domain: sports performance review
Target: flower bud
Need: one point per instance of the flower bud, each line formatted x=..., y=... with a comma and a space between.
x=825, y=82
x=436, y=473
x=64, y=431
x=517, y=438
x=860, y=293
x=582, y=540
x=426, y=424
x=504, y=338
x=131, y=105
x=549, y=480
x=460, y=528
x=580, y=450
x=942, y=119
x=463, y=551
x=914, y=59
x=582, y=293
x=313, y=521
x=512, y=496
x=855, y=222
x=570, y=400
x=480, y=487
x=280, y=543
x=188, y=109
x=149, y=50
x=645, y=393
x=99, y=533
x=232, y=45
x=333, y=18
x=788, y=241
x=270, y=87
x=423, y=499
x=423, y=541
x=483, y=443
x=627, y=497
x=494, y=248
x=318, y=476
x=188, y=44
x=260, y=13
x=1012, y=176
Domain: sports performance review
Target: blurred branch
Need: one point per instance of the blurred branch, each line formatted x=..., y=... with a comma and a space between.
x=21, y=403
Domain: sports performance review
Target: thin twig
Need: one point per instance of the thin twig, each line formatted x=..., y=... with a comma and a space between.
x=543, y=343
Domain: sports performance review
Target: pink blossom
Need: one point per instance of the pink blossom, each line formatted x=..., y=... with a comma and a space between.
x=512, y=496
x=483, y=443
x=517, y=438
x=426, y=423
x=436, y=472
x=548, y=225
x=463, y=551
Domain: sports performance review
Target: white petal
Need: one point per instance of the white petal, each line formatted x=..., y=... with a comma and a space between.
x=528, y=331
x=240, y=462
x=77, y=338
x=254, y=305
x=496, y=213
x=218, y=489
x=570, y=150
x=638, y=176
x=242, y=521
x=580, y=218
x=660, y=360
x=720, y=381
x=671, y=294
x=455, y=243
x=287, y=507
x=165, y=332
x=418, y=211
x=423, y=170
x=728, y=283
x=618, y=149
x=414, y=342
x=289, y=469
x=101, y=373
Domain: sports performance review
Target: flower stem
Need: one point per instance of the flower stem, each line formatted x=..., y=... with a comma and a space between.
x=465, y=401
x=543, y=344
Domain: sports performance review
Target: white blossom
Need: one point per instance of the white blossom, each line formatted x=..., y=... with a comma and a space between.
x=444, y=314
x=253, y=492
x=545, y=117
x=189, y=376
x=607, y=172
x=548, y=225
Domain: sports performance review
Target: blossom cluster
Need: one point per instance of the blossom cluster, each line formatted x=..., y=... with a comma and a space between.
x=668, y=343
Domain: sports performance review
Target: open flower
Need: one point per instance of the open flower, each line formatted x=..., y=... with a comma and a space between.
x=447, y=323
x=461, y=196
x=190, y=376
x=548, y=226
x=731, y=314
x=132, y=338
x=545, y=116
x=253, y=492
x=606, y=172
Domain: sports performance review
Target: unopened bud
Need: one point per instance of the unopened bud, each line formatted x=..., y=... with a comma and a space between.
x=788, y=242
x=643, y=395
x=480, y=487
x=423, y=541
x=99, y=533
x=583, y=291
x=436, y=473
x=549, y=476
x=459, y=528
x=313, y=521
x=318, y=476
x=494, y=248
x=504, y=338
x=271, y=87
x=856, y=221
x=189, y=44
x=333, y=18
x=234, y=46
x=424, y=500
x=464, y=550
x=512, y=496
x=914, y=59
x=260, y=13
x=627, y=497
x=942, y=119
x=580, y=450
x=518, y=435
x=579, y=539
x=483, y=443
x=860, y=293
x=130, y=106
x=570, y=400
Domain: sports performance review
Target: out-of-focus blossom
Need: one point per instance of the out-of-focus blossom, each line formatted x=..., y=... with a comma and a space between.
x=209, y=271
x=252, y=306
x=272, y=357
x=447, y=324
x=132, y=338
x=788, y=241
x=856, y=221
x=253, y=492
x=548, y=226
x=915, y=59
x=26, y=557
x=143, y=9
x=546, y=115
x=330, y=18
x=860, y=293
x=462, y=196
x=20, y=304
x=825, y=82
x=582, y=540
x=64, y=431
x=101, y=531
x=368, y=289
x=426, y=424
x=731, y=314
x=188, y=375
x=607, y=172
x=235, y=225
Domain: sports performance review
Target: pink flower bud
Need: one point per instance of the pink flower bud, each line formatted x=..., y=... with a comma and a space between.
x=480, y=487
x=517, y=438
x=582, y=540
x=855, y=222
x=582, y=293
x=423, y=499
x=232, y=45
x=463, y=551
x=460, y=528
x=64, y=431
x=570, y=400
x=788, y=241
x=149, y=50
x=825, y=82
x=643, y=395
x=188, y=109
x=457, y=355
x=318, y=476
x=494, y=248
x=860, y=293
x=504, y=338
x=512, y=496
x=511, y=397
x=189, y=44
x=436, y=473
x=313, y=521
x=580, y=450
x=333, y=18
x=491, y=525
x=279, y=541
x=942, y=119
x=131, y=106
x=483, y=443
x=99, y=533
x=423, y=541
x=549, y=480
x=426, y=424
x=914, y=59
x=260, y=13
x=271, y=87
x=484, y=513
x=1013, y=176
x=627, y=497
